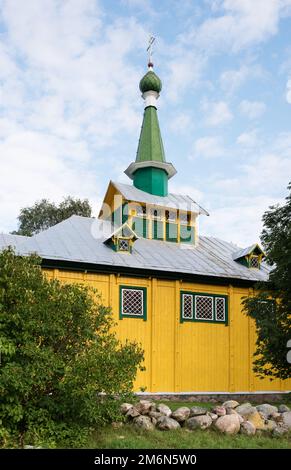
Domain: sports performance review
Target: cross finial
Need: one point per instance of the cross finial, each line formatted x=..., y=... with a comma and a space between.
x=150, y=50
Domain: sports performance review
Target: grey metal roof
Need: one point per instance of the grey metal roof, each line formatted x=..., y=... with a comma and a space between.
x=172, y=201
x=81, y=239
x=13, y=240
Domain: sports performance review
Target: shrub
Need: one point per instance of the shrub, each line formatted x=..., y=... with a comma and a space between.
x=63, y=371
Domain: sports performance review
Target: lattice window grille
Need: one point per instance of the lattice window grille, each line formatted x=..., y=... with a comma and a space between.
x=187, y=307
x=132, y=302
x=123, y=245
x=203, y=307
x=220, y=309
x=254, y=262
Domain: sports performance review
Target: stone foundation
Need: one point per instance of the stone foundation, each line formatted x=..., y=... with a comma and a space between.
x=219, y=397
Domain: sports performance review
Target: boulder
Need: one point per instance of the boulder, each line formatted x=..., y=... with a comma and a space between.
x=267, y=410
x=197, y=411
x=125, y=407
x=143, y=422
x=247, y=428
x=231, y=411
x=199, y=422
x=256, y=419
x=286, y=419
x=219, y=410
x=283, y=408
x=164, y=423
x=181, y=414
x=155, y=414
x=230, y=404
x=164, y=409
x=132, y=413
x=213, y=416
x=154, y=421
x=279, y=431
x=143, y=407
x=228, y=424
x=245, y=409
x=270, y=425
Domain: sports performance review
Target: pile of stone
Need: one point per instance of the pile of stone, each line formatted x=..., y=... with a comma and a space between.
x=228, y=418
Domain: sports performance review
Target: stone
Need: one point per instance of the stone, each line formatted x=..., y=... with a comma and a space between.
x=153, y=407
x=267, y=410
x=219, y=410
x=286, y=419
x=181, y=414
x=228, y=424
x=270, y=425
x=154, y=421
x=199, y=422
x=155, y=414
x=279, y=431
x=197, y=411
x=283, y=408
x=164, y=423
x=143, y=422
x=232, y=411
x=125, y=407
x=164, y=409
x=132, y=413
x=143, y=407
x=213, y=416
x=256, y=419
x=247, y=428
x=245, y=409
x=230, y=404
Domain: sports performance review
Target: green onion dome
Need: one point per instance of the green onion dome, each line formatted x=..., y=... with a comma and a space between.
x=150, y=82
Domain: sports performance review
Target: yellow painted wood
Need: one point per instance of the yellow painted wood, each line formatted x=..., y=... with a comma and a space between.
x=183, y=357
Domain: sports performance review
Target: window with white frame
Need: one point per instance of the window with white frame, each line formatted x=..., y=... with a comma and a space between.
x=133, y=302
x=140, y=210
x=204, y=307
x=171, y=216
x=184, y=218
x=156, y=213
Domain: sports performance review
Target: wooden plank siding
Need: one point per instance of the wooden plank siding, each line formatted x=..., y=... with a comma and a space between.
x=188, y=356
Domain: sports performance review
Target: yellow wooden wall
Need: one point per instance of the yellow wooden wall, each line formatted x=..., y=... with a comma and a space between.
x=189, y=356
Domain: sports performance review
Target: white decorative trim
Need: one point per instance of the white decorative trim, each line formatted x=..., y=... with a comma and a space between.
x=219, y=299
x=141, y=300
x=150, y=98
x=167, y=167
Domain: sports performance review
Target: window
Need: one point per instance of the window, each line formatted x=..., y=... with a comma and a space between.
x=123, y=244
x=204, y=307
x=171, y=216
x=140, y=211
x=156, y=213
x=254, y=262
x=184, y=218
x=133, y=302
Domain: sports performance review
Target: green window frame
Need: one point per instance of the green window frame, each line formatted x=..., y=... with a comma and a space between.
x=132, y=302
x=202, y=307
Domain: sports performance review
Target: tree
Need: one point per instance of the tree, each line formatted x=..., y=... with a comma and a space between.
x=271, y=305
x=44, y=214
x=62, y=366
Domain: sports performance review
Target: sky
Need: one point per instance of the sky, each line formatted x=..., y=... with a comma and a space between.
x=71, y=110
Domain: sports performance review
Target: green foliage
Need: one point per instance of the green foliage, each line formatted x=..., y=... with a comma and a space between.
x=44, y=214
x=62, y=366
x=271, y=310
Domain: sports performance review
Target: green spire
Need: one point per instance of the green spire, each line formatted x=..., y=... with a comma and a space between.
x=150, y=171
x=150, y=146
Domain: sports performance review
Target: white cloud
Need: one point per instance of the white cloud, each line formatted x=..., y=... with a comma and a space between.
x=232, y=79
x=180, y=123
x=248, y=139
x=288, y=91
x=242, y=23
x=208, y=147
x=217, y=112
x=252, y=109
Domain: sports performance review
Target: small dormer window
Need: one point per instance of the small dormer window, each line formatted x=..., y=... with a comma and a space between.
x=123, y=244
x=250, y=257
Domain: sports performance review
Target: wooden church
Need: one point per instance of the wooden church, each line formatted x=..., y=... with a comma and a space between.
x=176, y=292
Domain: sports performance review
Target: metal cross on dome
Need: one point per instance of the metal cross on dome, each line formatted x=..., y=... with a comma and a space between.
x=150, y=48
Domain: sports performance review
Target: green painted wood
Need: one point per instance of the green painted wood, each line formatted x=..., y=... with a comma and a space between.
x=151, y=180
x=157, y=230
x=140, y=227
x=150, y=146
x=187, y=234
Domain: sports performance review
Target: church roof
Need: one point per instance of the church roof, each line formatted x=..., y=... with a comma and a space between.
x=81, y=240
x=171, y=201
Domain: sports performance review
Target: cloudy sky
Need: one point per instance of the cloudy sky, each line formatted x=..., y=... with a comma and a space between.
x=71, y=111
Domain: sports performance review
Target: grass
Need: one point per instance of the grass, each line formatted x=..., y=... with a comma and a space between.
x=127, y=437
